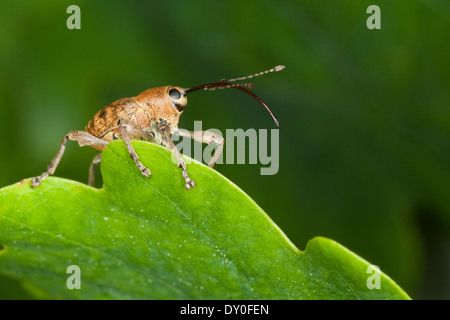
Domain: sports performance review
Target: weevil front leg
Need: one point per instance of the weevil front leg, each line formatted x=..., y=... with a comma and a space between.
x=82, y=137
x=95, y=162
x=124, y=127
x=165, y=131
x=207, y=137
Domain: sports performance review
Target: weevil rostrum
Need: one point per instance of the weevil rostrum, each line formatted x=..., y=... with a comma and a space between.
x=152, y=115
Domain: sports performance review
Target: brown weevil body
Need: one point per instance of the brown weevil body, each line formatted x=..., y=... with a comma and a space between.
x=152, y=115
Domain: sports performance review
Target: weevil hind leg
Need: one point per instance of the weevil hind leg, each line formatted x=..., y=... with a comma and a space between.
x=207, y=137
x=82, y=137
x=95, y=162
x=165, y=131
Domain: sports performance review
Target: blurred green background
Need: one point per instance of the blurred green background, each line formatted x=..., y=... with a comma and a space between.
x=364, y=114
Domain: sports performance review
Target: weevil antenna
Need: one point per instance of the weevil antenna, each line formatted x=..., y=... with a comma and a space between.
x=224, y=84
x=237, y=86
x=274, y=69
x=248, y=85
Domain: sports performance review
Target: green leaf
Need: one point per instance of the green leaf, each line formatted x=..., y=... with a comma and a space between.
x=150, y=238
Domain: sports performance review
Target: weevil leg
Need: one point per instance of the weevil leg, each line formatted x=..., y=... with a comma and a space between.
x=82, y=137
x=95, y=162
x=205, y=137
x=165, y=131
x=123, y=127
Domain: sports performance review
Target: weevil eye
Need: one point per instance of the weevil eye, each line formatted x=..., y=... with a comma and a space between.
x=175, y=94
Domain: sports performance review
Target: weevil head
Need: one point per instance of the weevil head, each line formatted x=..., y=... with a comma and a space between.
x=165, y=101
x=177, y=97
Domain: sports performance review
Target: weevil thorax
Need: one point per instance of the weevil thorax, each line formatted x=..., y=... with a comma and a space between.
x=164, y=104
